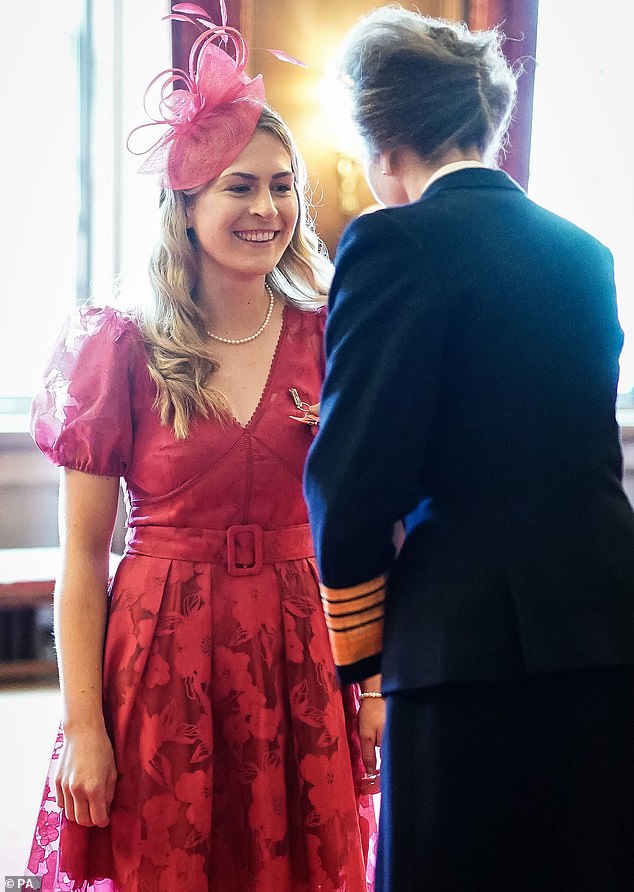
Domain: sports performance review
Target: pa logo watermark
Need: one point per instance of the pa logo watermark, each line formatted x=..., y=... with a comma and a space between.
x=23, y=882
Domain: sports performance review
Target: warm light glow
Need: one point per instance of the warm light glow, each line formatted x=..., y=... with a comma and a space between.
x=348, y=173
x=336, y=106
x=339, y=132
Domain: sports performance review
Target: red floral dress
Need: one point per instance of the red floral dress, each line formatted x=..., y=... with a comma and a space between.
x=238, y=761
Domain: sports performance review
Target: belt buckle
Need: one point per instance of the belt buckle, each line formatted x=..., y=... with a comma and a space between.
x=239, y=569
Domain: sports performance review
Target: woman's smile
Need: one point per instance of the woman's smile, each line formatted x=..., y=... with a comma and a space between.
x=256, y=235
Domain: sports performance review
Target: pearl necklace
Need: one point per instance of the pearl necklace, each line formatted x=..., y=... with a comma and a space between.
x=256, y=334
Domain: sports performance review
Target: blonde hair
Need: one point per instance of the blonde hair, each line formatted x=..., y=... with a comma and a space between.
x=181, y=363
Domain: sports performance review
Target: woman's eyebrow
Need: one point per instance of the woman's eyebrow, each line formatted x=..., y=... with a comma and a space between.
x=252, y=176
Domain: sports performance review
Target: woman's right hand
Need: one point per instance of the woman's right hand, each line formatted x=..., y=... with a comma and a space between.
x=86, y=777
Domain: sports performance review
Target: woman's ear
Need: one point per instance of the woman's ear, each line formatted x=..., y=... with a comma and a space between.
x=385, y=163
x=388, y=162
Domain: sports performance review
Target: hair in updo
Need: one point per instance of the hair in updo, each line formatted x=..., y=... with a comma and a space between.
x=427, y=84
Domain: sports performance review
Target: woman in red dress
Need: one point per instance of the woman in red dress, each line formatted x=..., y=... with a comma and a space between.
x=205, y=741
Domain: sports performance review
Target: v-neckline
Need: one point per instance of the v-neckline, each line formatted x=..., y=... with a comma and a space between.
x=280, y=337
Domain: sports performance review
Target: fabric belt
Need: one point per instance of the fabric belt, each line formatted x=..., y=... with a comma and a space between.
x=243, y=548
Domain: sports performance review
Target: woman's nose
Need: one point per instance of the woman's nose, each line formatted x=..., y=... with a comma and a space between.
x=263, y=204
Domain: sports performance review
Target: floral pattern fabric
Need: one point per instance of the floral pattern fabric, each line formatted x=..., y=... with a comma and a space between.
x=238, y=760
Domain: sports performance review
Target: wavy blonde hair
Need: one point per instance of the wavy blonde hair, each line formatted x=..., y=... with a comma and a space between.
x=180, y=361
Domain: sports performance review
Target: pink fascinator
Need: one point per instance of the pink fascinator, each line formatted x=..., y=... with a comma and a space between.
x=213, y=117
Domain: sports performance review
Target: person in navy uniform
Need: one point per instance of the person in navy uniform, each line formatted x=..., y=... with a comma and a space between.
x=472, y=364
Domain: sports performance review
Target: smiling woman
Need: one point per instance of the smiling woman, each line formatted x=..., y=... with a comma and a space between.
x=221, y=278
x=205, y=742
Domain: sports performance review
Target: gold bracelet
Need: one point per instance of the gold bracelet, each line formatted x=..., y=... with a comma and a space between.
x=371, y=695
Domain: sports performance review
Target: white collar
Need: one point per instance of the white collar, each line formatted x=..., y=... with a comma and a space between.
x=452, y=167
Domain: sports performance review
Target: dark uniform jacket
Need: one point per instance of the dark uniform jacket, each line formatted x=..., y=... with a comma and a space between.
x=472, y=363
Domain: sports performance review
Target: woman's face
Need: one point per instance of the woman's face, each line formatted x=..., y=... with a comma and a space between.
x=245, y=218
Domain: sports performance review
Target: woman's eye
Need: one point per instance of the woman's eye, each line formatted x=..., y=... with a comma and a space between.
x=282, y=188
x=239, y=190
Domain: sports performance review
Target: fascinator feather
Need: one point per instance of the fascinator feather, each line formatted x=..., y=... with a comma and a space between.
x=212, y=117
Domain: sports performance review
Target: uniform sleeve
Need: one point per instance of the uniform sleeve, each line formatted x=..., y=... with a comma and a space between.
x=82, y=418
x=384, y=342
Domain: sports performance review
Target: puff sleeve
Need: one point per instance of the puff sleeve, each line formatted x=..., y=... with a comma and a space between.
x=82, y=418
